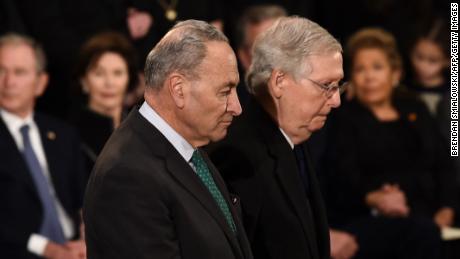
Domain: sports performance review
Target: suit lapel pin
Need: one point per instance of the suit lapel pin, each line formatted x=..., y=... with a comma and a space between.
x=412, y=116
x=51, y=135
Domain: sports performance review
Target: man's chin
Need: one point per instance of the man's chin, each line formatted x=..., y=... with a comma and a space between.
x=217, y=136
x=318, y=126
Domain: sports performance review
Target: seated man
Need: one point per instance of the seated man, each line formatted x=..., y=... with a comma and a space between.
x=40, y=163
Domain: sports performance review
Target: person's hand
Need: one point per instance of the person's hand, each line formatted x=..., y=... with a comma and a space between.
x=444, y=217
x=57, y=251
x=343, y=245
x=389, y=201
x=77, y=247
x=139, y=23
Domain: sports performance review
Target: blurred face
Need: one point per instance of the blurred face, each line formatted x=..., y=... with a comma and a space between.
x=106, y=82
x=373, y=77
x=428, y=60
x=252, y=31
x=212, y=101
x=303, y=106
x=20, y=82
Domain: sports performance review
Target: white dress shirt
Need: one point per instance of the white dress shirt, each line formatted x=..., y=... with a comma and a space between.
x=184, y=148
x=37, y=242
x=287, y=139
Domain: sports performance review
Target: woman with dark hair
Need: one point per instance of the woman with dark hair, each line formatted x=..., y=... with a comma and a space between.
x=106, y=70
x=429, y=60
x=391, y=174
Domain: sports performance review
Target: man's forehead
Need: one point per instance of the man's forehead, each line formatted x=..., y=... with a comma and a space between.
x=234, y=78
x=17, y=53
x=219, y=56
x=326, y=66
x=219, y=50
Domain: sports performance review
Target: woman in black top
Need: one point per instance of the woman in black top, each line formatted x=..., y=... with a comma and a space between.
x=106, y=70
x=391, y=180
x=428, y=74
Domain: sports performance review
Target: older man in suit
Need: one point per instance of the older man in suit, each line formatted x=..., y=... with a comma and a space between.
x=41, y=178
x=153, y=192
x=294, y=79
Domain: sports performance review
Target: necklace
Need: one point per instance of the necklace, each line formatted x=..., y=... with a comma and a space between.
x=169, y=8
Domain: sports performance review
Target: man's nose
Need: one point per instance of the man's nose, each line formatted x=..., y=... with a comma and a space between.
x=334, y=101
x=233, y=104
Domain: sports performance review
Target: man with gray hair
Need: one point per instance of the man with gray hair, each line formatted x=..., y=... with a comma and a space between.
x=294, y=81
x=153, y=192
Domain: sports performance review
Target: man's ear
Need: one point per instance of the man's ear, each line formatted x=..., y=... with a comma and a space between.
x=42, y=83
x=176, y=84
x=277, y=83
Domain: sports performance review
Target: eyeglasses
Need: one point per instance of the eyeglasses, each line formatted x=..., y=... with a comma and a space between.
x=330, y=90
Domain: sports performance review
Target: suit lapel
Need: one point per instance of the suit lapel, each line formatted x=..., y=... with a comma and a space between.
x=13, y=161
x=222, y=187
x=53, y=157
x=286, y=172
x=184, y=174
x=319, y=211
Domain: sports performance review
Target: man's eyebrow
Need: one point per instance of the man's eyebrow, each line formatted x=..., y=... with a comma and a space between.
x=334, y=79
x=230, y=84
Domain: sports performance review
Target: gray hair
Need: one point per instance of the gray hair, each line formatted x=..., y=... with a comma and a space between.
x=18, y=39
x=181, y=50
x=286, y=45
x=255, y=15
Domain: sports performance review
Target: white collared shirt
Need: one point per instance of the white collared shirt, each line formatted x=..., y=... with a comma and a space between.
x=37, y=243
x=184, y=148
x=287, y=139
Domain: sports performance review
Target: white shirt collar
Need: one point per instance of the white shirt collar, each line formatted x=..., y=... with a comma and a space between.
x=287, y=138
x=184, y=148
x=14, y=122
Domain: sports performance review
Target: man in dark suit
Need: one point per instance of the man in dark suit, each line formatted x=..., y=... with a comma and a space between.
x=294, y=79
x=153, y=192
x=41, y=188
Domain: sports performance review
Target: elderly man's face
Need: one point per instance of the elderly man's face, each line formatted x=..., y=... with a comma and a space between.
x=303, y=106
x=213, y=101
x=20, y=83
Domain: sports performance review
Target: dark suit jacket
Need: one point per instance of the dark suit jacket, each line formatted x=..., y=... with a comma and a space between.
x=259, y=165
x=144, y=200
x=20, y=207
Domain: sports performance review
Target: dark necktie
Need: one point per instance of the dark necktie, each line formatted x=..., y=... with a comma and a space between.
x=202, y=171
x=302, y=165
x=50, y=228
